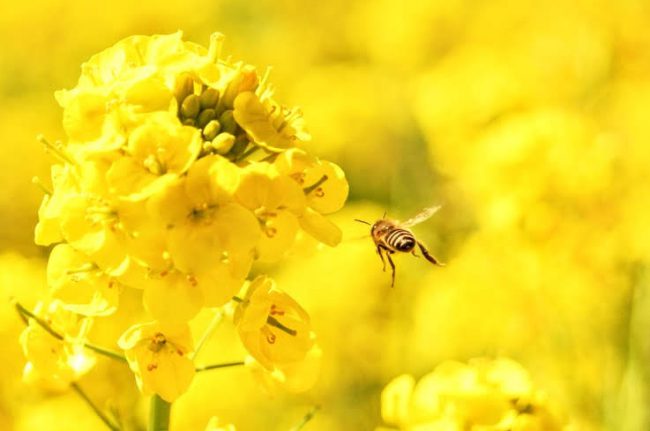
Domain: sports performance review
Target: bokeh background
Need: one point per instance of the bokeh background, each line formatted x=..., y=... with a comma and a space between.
x=528, y=121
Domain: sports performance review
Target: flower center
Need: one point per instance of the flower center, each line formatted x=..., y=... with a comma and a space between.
x=157, y=342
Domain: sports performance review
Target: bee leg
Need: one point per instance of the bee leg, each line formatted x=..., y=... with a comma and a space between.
x=392, y=265
x=427, y=256
x=379, y=248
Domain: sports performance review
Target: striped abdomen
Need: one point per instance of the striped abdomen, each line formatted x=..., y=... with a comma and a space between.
x=400, y=239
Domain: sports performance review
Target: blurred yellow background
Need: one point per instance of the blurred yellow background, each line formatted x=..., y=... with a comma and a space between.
x=529, y=122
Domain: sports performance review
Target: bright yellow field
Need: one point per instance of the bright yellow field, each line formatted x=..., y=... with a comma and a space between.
x=528, y=122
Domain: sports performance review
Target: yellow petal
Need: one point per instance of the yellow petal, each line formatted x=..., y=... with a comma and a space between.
x=253, y=117
x=278, y=235
x=173, y=298
x=320, y=228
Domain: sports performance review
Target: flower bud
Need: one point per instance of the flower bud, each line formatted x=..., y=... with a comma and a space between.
x=209, y=98
x=211, y=130
x=191, y=106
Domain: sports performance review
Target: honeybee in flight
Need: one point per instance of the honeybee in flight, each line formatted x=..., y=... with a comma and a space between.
x=391, y=236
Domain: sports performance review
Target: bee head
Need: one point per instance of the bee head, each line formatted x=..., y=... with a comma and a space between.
x=381, y=227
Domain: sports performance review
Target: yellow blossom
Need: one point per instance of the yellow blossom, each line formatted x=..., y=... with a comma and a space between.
x=160, y=149
x=51, y=361
x=273, y=127
x=273, y=327
x=158, y=355
x=485, y=395
x=81, y=286
x=276, y=201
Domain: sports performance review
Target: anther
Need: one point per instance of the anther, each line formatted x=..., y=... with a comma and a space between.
x=270, y=231
x=158, y=341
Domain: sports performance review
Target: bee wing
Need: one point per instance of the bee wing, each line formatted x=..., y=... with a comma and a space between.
x=421, y=216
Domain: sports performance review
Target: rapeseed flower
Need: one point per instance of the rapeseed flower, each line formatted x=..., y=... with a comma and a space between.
x=485, y=394
x=158, y=356
x=174, y=181
x=55, y=362
x=273, y=327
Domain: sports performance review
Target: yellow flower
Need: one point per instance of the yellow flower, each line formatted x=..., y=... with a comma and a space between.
x=271, y=126
x=324, y=182
x=276, y=201
x=52, y=362
x=160, y=149
x=158, y=355
x=485, y=394
x=209, y=235
x=84, y=288
x=272, y=326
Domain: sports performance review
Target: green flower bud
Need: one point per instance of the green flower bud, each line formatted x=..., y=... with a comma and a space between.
x=209, y=98
x=205, y=117
x=190, y=106
x=223, y=142
x=211, y=130
x=228, y=123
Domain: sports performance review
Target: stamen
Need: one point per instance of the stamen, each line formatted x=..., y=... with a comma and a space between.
x=214, y=48
x=275, y=311
x=319, y=192
x=56, y=149
x=41, y=185
x=314, y=186
x=270, y=231
x=158, y=341
x=299, y=177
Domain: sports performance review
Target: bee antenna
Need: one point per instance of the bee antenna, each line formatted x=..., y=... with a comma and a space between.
x=384, y=216
x=362, y=221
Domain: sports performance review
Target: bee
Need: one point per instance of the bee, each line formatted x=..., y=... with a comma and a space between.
x=392, y=236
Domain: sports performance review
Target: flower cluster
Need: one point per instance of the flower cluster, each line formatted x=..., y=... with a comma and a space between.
x=485, y=394
x=180, y=171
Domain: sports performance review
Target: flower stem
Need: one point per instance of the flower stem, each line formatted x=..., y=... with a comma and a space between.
x=216, y=320
x=215, y=366
x=159, y=414
x=25, y=313
x=94, y=407
x=309, y=416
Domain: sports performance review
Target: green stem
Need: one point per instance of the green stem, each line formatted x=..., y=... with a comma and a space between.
x=216, y=320
x=216, y=366
x=309, y=416
x=96, y=409
x=25, y=313
x=159, y=414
